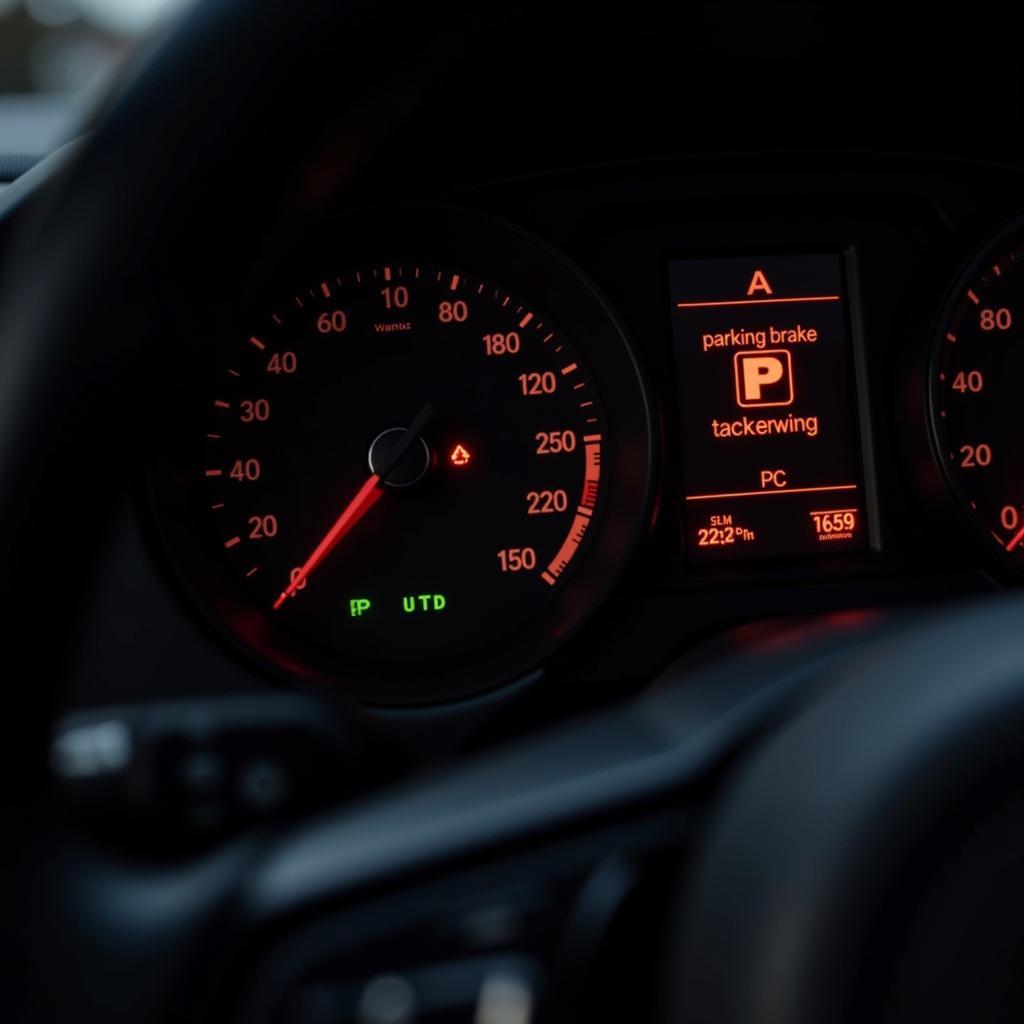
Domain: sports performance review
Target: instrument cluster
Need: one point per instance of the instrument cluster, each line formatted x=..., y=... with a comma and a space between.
x=448, y=445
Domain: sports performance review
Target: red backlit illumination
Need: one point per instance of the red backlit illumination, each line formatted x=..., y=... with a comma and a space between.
x=460, y=456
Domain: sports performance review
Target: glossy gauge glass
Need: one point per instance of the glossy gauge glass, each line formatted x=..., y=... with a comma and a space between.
x=977, y=411
x=414, y=477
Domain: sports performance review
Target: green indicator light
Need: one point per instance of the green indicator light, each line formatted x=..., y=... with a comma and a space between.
x=358, y=607
x=413, y=603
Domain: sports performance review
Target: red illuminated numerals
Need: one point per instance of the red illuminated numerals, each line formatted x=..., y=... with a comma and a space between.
x=974, y=455
x=255, y=410
x=534, y=383
x=834, y=522
x=716, y=536
x=555, y=442
x=995, y=319
x=283, y=362
x=293, y=576
x=456, y=312
x=968, y=380
x=262, y=527
x=517, y=559
x=502, y=344
x=245, y=470
x=395, y=296
x=333, y=322
x=543, y=503
x=1009, y=516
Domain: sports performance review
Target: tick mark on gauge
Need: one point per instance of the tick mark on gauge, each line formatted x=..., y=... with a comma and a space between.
x=256, y=341
x=219, y=403
x=213, y=437
x=326, y=289
x=566, y=370
x=215, y=472
x=231, y=543
x=252, y=572
x=217, y=507
x=950, y=337
x=234, y=373
x=455, y=282
x=974, y=298
x=526, y=319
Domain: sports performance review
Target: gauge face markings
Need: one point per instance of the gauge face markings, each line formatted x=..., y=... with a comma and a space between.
x=486, y=510
x=978, y=411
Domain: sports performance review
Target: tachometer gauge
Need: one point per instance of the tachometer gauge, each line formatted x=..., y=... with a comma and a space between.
x=977, y=411
x=418, y=477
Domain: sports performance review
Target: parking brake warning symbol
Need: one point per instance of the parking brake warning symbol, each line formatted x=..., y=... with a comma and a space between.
x=763, y=378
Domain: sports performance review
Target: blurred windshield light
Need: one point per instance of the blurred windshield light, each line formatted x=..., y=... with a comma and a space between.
x=126, y=17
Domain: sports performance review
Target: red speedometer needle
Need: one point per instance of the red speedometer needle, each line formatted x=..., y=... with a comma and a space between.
x=366, y=497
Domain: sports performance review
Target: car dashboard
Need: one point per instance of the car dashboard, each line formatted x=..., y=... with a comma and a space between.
x=515, y=518
x=747, y=411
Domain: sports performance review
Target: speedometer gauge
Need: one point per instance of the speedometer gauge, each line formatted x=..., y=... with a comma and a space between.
x=416, y=478
x=405, y=459
x=976, y=396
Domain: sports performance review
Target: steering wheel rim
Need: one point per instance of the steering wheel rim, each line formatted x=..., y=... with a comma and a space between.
x=847, y=821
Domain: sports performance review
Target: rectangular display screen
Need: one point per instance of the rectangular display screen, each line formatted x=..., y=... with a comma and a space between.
x=772, y=462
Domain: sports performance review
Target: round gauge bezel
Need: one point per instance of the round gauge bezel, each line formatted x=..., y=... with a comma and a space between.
x=487, y=248
x=1004, y=239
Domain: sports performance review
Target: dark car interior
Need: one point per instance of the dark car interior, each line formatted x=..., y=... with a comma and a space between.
x=509, y=514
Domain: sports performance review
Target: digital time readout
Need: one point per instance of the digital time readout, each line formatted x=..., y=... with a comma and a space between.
x=772, y=463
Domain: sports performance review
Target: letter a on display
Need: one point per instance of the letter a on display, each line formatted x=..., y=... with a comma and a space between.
x=759, y=283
